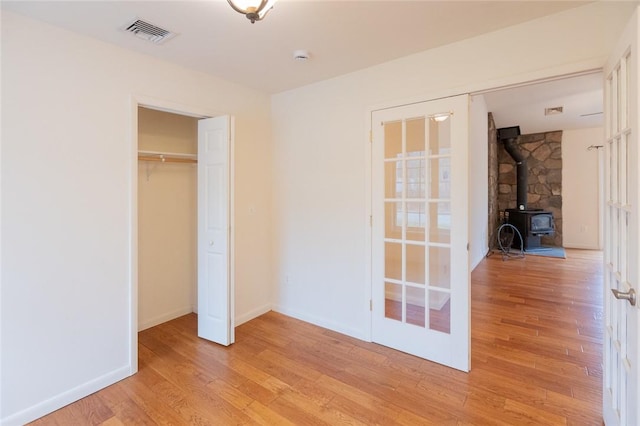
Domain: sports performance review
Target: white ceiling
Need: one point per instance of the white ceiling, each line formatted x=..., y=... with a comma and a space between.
x=341, y=36
x=580, y=97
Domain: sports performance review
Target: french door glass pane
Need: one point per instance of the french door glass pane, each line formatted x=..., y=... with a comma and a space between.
x=609, y=92
x=627, y=64
x=415, y=306
x=439, y=137
x=415, y=178
x=440, y=178
x=621, y=163
x=618, y=98
x=440, y=223
x=613, y=190
x=439, y=267
x=393, y=261
x=392, y=139
x=417, y=193
x=416, y=218
x=415, y=137
x=619, y=376
x=628, y=167
x=393, y=179
x=440, y=311
x=393, y=301
x=626, y=243
x=614, y=237
x=393, y=220
x=415, y=263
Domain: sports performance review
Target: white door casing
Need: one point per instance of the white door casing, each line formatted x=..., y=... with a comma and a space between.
x=420, y=261
x=215, y=251
x=621, y=231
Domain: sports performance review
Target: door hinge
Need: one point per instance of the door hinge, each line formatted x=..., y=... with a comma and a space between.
x=370, y=305
x=467, y=246
x=370, y=136
x=370, y=220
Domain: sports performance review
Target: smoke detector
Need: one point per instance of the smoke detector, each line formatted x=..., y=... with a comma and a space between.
x=301, y=55
x=147, y=31
x=553, y=110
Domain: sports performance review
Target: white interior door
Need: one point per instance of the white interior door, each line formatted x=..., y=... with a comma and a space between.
x=420, y=277
x=215, y=190
x=621, y=254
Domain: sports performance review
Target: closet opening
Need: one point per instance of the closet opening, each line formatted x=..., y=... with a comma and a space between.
x=167, y=216
x=182, y=223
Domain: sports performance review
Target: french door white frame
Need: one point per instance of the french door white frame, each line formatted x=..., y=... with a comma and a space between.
x=446, y=347
x=174, y=108
x=622, y=328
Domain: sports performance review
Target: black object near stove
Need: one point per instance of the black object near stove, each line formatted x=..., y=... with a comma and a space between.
x=531, y=223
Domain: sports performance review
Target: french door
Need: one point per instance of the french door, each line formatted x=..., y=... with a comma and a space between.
x=621, y=253
x=420, y=276
x=215, y=254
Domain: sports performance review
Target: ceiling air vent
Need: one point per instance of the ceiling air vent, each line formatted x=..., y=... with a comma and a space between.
x=553, y=110
x=147, y=31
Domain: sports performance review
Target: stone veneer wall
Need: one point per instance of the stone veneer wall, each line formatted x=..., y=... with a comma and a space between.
x=494, y=210
x=544, y=161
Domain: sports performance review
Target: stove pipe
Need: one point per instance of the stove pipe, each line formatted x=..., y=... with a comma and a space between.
x=509, y=136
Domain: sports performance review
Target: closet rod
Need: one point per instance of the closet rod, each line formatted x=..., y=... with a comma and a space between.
x=166, y=159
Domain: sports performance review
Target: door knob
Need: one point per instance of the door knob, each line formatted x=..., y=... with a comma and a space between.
x=629, y=295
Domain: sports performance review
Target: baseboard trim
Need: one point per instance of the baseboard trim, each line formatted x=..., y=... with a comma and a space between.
x=580, y=246
x=50, y=405
x=255, y=313
x=165, y=317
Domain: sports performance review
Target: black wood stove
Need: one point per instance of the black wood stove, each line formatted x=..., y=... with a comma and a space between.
x=531, y=223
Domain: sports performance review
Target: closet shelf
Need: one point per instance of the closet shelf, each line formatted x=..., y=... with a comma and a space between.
x=169, y=157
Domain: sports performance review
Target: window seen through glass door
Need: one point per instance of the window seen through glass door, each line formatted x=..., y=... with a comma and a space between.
x=418, y=222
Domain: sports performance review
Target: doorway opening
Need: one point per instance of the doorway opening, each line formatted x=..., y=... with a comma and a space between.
x=167, y=216
x=181, y=236
x=562, y=126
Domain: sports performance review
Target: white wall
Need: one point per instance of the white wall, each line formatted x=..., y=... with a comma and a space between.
x=321, y=168
x=478, y=180
x=581, y=175
x=68, y=182
x=167, y=226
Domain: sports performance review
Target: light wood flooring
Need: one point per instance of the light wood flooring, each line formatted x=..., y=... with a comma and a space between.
x=536, y=359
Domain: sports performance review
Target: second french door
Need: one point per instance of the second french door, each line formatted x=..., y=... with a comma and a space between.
x=420, y=262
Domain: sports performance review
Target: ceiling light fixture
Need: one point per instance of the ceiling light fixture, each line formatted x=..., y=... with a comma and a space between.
x=440, y=117
x=254, y=10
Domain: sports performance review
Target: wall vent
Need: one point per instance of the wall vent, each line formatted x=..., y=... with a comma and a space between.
x=147, y=31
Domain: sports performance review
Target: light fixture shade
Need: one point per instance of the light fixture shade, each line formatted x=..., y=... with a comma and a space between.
x=254, y=10
x=440, y=117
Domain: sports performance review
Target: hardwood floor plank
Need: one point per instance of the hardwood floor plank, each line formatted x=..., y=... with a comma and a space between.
x=407, y=418
x=291, y=364
x=263, y=415
x=362, y=404
x=113, y=421
x=145, y=398
x=128, y=413
x=530, y=415
x=536, y=346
